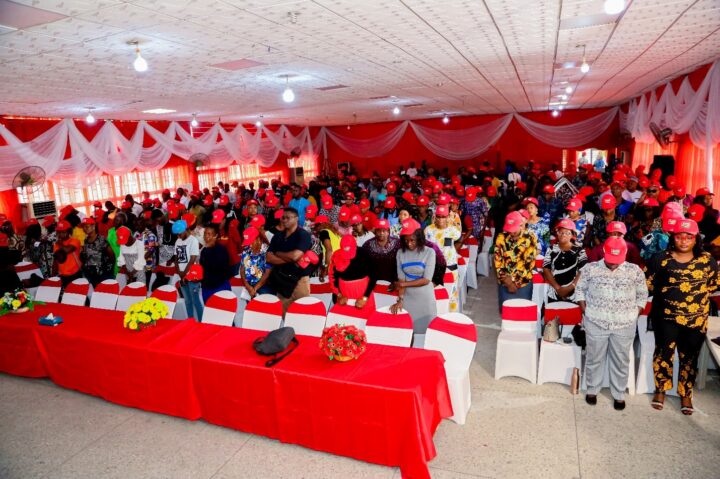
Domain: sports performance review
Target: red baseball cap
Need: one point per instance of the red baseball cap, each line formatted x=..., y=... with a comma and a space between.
x=525, y=213
x=471, y=194
x=513, y=222
x=443, y=199
x=349, y=195
x=250, y=235
x=63, y=226
x=608, y=202
x=615, y=250
x=409, y=226
x=308, y=258
x=696, y=212
x=574, y=204
x=356, y=219
x=217, y=216
x=327, y=202
x=616, y=227
x=224, y=199
x=257, y=221
x=123, y=235
x=390, y=202
x=364, y=203
x=703, y=192
x=491, y=192
x=382, y=224
x=679, y=191
x=271, y=200
x=423, y=200
x=566, y=223
x=644, y=182
x=85, y=221
x=670, y=222
x=442, y=211
x=687, y=226
x=650, y=202
x=532, y=200
x=195, y=273
x=97, y=204
x=125, y=205
x=344, y=214
x=48, y=220
x=189, y=219
x=207, y=201
x=278, y=214
x=311, y=212
x=391, y=187
x=549, y=189
x=322, y=219
x=348, y=247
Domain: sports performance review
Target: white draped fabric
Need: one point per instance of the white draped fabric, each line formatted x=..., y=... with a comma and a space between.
x=569, y=136
x=696, y=112
x=110, y=152
x=462, y=144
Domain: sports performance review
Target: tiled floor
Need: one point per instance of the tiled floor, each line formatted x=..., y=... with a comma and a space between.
x=514, y=430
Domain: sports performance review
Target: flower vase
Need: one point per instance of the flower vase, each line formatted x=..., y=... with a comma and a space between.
x=343, y=359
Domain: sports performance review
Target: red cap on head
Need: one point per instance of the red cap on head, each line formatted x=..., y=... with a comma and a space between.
x=687, y=226
x=382, y=224
x=63, y=226
x=189, y=219
x=703, y=192
x=443, y=199
x=344, y=214
x=123, y=235
x=271, y=200
x=409, y=226
x=349, y=195
x=86, y=221
x=549, y=189
x=616, y=227
x=97, y=204
x=471, y=194
x=356, y=219
x=348, y=247
x=644, y=182
x=217, y=216
x=390, y=202
x=650, y=202
x=224, y=200
x=442, y=211
x=574, y=204
x=326, y=202
x=679, y=191
x=423, y=200
x=278, y=214
x=608, y=202
x=491, y=192
x=391, y=187
x=250, y=235
x=147, y=214
x=207, y=201
x=567, y=224
x=615, y=250
x=530, y=199
x=48, y=220
x=364, y=203
x=513, y=222
x=696, y=212
x=311, y=212
x=322, y=219
x=670, y=222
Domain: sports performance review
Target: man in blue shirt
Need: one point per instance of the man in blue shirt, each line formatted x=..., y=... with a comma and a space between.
x=300, y=203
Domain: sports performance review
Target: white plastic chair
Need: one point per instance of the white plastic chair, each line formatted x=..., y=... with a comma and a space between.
x=349, y=315
x=322, y=291
x=455, y=336
x=483, y=257
x=442, y=300
x=105, y=295
x=306, y=316
x=49, y=290
x=470, y=260
x=264, y=313
x=168, y=295
x=25, y=269
x=462, y=282
x=220, y=309
x=131, y=294
x=517, y=343
x=76, y=292
x=558, y=359
x=383, y=297
x=383, y=327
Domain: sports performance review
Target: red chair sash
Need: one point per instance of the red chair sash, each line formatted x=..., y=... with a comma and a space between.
x=464, y=331
x=321, y=288
x=449, y=278
x=225, y=304
x=110, y=288
x=521, y=313
x=461, y=261
x=648, y=306
x=76, y=288
x=128, y=291
x=383, y=289
x=169, y=296
x=274, y=308
x=441, y=293
x=236, y=282
x=465, y=252
x=166, y=270
x=312, y=309
x=566, y=316
x=51, y=283
x=538, y=278
x=472, y=241
x=388, y=320
x=26, y=267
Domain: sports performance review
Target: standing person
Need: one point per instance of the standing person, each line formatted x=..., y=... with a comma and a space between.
x=215, y=262
x=287, y=278
x=562, y=264
x=350, y=275
x=299, y=202
x=383, y=249
x=415, y=267
x=229, y=238
x=361, y=234
x=150, y=243
x=132, y=255
x=187, y=250
x=66, y=253
x=254, y=270
x=515, y=252
x=445, y=235
x=97, y=256
x=537, y=225
x=681, y=280
x=611, y=294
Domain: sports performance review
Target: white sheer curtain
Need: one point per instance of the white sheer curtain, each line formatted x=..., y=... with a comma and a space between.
x=46, y=151
x=462, y=144
x=569, y=136
x=369, y=147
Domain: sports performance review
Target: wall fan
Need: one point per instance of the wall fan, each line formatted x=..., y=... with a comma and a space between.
x=662, y=135
x=30, y=178
x=199, y=159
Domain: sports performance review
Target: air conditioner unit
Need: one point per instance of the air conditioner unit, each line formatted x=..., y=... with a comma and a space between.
x=39, y=209
x=297, y=175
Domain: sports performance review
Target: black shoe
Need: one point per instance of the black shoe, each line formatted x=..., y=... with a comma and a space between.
x=619, y=405
x=591, y=399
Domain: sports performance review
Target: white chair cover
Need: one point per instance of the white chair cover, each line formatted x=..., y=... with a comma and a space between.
x=105, y=295
x=306, y=316
x=220, y=309
x=264, y=313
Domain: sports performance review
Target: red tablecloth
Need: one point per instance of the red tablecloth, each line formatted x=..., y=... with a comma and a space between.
x=382, y=408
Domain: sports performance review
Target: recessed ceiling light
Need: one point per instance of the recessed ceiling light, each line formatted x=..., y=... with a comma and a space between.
x=614, y=6
x=446, y=119
x=396, y=110
x=194, y=121
x=90, y=119
x=568, y=90
x=159, y=111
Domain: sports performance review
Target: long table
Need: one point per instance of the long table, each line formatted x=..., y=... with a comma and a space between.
x=382, y=408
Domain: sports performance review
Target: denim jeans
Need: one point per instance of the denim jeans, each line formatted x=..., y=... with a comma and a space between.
x=522, y=293
x=193, y=303
x=206, y=292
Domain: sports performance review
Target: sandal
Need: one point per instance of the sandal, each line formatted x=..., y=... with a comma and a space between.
x=686, y=406
x=658, y=401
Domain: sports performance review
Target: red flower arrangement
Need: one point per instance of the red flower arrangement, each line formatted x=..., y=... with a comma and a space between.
x=343, y=343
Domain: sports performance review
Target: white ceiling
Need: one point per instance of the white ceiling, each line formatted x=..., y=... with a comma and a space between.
x=459, y=57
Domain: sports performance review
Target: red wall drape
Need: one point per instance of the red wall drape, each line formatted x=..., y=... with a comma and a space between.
x=516, y=144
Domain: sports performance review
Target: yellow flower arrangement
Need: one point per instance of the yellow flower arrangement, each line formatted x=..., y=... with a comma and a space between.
x=144, y=314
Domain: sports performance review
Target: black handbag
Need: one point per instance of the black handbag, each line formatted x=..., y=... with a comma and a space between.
x=275, y=343
x=578, y=334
